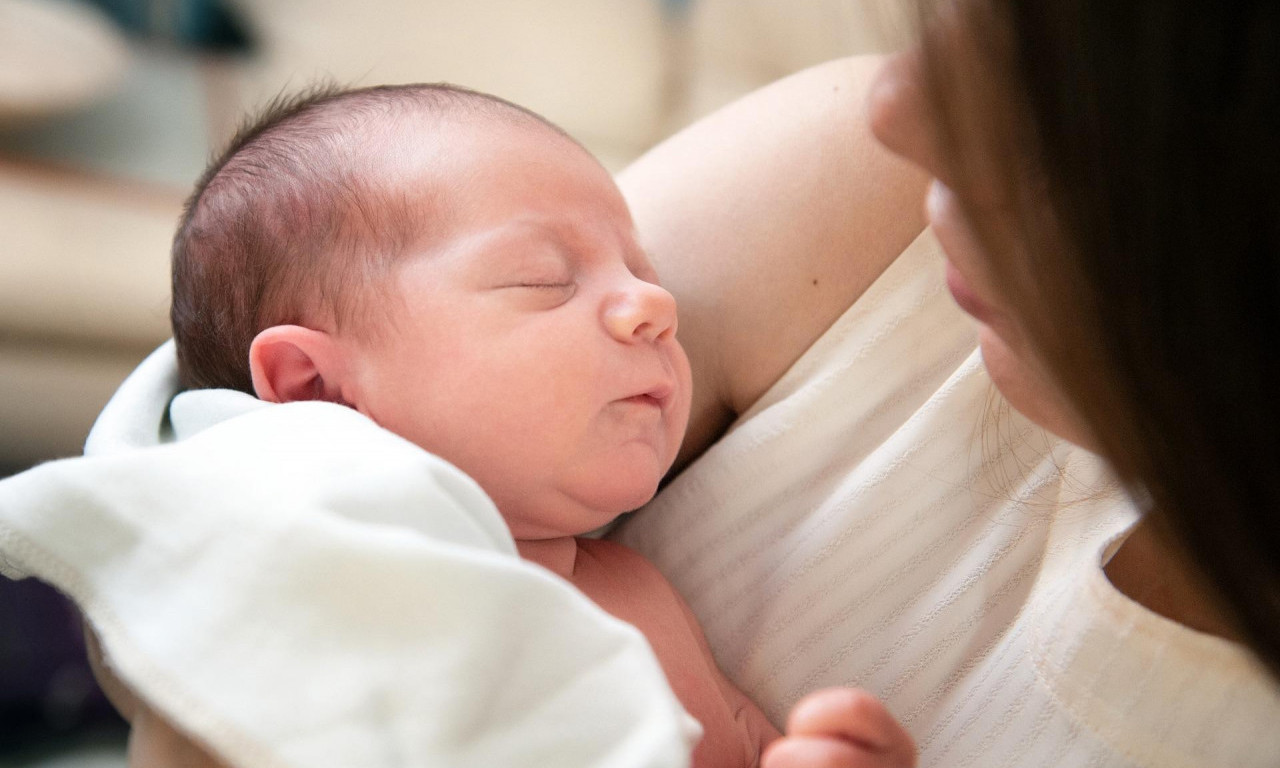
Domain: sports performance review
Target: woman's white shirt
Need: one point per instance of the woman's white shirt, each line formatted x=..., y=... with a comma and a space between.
x=881, y=518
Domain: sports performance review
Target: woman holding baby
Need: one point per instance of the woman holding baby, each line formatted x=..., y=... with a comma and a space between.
x=857, y=507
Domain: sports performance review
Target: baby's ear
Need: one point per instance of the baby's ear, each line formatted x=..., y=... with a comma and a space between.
x=291, y=363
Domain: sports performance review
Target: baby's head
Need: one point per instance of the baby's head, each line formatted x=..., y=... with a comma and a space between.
x=455, y=268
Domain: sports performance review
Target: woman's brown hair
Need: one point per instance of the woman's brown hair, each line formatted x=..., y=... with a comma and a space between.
x=1137, y=145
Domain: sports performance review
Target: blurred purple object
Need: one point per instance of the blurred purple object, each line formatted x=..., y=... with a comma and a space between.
x=47, y=690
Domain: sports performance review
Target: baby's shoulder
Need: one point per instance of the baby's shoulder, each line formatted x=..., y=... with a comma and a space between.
x=614, y=557
x=622, y=581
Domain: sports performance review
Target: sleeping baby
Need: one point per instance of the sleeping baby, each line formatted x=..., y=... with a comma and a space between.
x=467, y=276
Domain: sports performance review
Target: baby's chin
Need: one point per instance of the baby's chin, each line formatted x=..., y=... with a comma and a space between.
x=627, y=483
x=635, y=493
x=579, y=513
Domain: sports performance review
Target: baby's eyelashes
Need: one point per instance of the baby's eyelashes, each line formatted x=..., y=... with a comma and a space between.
x=541, y=293
x=545, y=286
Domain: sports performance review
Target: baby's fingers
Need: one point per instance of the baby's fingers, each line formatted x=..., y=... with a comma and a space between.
x=819, y=752
x=856, y=717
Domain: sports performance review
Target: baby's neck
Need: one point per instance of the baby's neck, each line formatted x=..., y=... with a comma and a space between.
x=556, y=555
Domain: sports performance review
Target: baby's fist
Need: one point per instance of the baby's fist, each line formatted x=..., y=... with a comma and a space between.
x=841, y=728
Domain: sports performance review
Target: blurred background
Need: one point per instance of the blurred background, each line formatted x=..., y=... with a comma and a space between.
x=109, y=110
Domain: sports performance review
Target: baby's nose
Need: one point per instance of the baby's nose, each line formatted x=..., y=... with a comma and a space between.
x=642, y=311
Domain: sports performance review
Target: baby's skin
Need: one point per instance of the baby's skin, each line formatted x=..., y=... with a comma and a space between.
x=626, y=585
x=737, y=733
x=530, y=345
x=526, y=340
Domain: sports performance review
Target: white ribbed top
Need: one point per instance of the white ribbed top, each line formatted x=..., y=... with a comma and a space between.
x=881, y=518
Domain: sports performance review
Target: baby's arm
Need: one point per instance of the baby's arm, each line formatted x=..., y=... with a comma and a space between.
x=766, y=220
x=830, y=728
x=153, y=741
x=750, y=718
x=761, y=732
x=841, y=728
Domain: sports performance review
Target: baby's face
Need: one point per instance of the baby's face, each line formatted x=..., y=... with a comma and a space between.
x=532, y=346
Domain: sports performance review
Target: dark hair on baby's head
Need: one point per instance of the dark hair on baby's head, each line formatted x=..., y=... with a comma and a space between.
x=296, y=216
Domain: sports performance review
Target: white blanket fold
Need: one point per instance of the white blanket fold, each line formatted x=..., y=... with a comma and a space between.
x=294, y=586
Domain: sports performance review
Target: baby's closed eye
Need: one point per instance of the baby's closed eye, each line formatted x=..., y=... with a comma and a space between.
x=546, y=285
x=541, y=293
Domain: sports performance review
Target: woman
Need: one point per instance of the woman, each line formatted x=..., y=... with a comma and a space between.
x=1107, y=197
x=1109, y=212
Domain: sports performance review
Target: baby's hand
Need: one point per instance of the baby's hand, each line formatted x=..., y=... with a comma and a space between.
x=841, y=728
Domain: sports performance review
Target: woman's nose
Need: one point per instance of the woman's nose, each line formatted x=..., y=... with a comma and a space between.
x=640, y=311
x=899, y=111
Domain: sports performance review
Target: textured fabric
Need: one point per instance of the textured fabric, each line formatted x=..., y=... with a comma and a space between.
x=294, y=586
x=881, y=518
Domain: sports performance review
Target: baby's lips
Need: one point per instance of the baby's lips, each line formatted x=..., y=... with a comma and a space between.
x=655, y=394
x=662, y=391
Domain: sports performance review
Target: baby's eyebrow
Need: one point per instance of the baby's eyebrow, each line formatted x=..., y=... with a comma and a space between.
x=493, y=243
x=532, y=226
x=566, y=240
x=510, y=247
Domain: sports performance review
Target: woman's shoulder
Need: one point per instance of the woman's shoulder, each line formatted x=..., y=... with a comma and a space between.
x=766, y=220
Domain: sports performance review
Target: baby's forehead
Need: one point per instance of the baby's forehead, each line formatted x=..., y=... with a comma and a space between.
x=501, y=179
x=458, y=137
x=449, y=164
x=464, y=167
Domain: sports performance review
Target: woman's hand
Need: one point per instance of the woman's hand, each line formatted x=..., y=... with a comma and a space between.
x=841, y=728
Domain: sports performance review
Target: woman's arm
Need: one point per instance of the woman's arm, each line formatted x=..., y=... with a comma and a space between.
x=767, y=220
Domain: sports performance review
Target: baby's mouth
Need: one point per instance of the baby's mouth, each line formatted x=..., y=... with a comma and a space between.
x=653, y=395
x=647, y=399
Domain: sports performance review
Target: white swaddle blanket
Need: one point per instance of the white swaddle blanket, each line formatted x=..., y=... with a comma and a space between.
x=295, y=586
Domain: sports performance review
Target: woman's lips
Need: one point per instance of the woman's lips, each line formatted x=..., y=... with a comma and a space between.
x=964, y=295
x=953, y=235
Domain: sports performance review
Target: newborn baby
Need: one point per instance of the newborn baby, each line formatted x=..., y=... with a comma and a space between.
x=467, y=276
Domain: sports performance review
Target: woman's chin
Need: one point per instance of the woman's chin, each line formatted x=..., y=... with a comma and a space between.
x=1028, y=389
